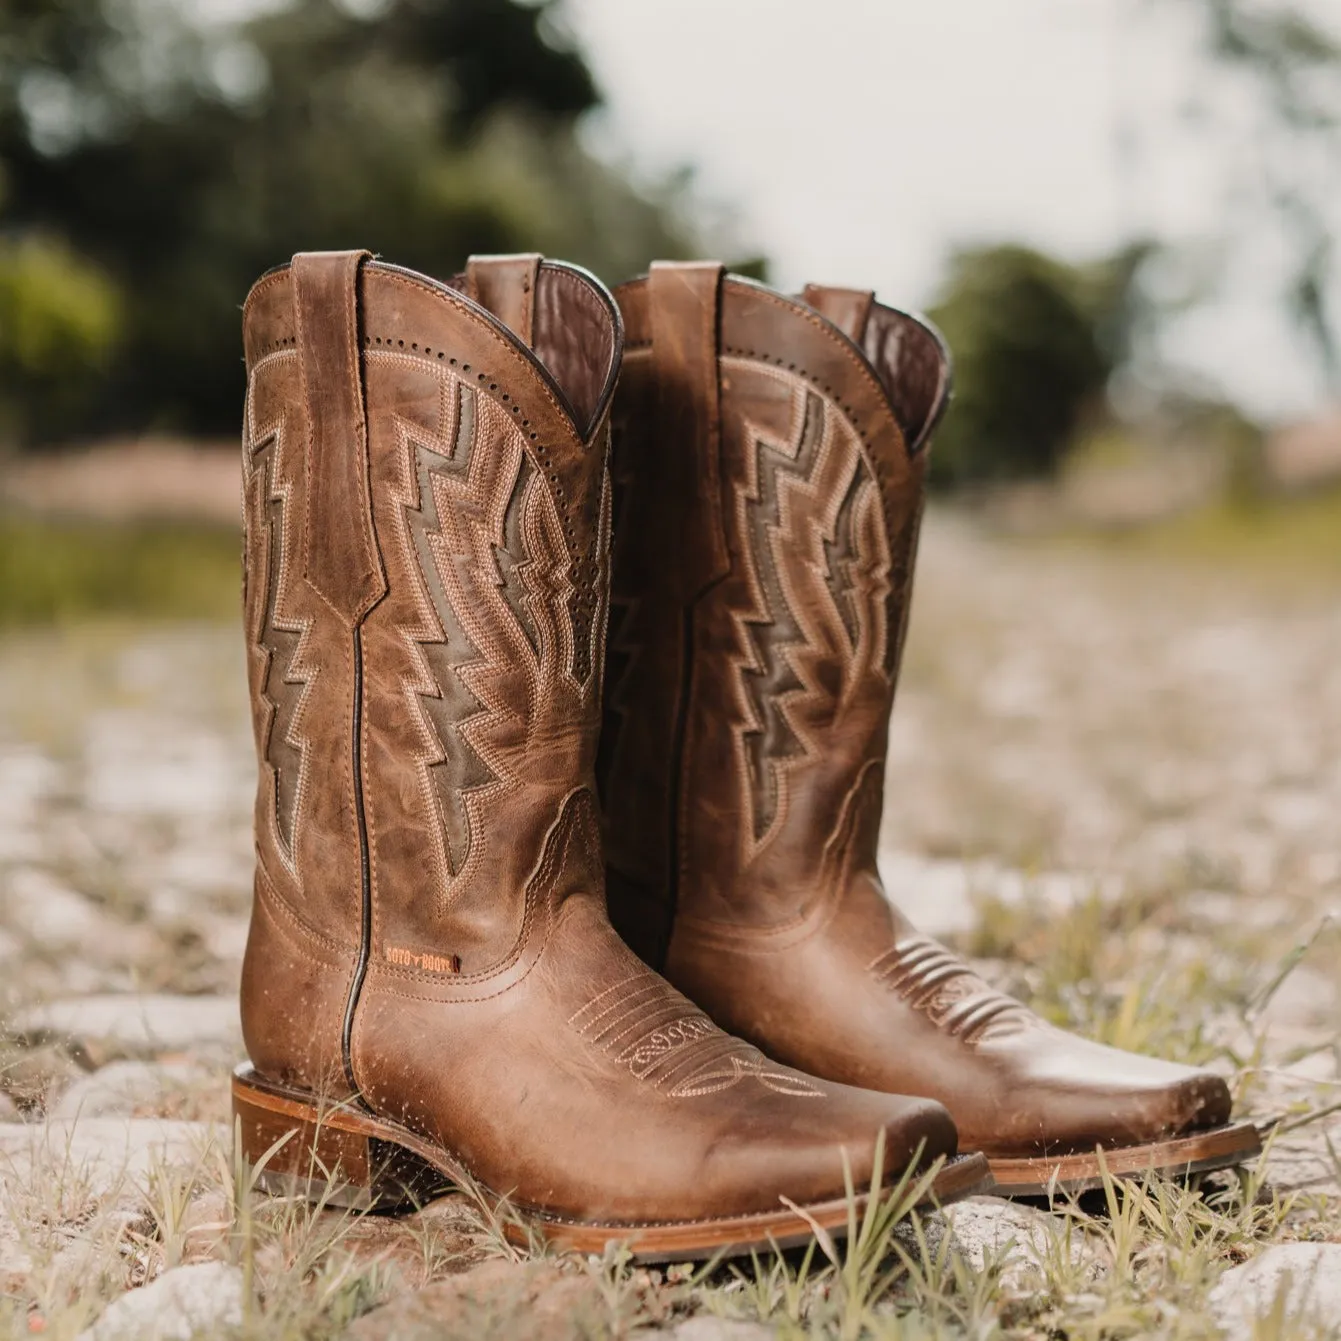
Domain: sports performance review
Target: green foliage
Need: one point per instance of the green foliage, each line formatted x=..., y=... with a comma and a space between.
x=1035, y=342
x=58, y=570
x=59, y=318
x=185, y=161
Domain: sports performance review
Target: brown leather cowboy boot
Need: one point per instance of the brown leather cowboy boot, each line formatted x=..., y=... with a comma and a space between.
x=432, y=987
x=768, y=462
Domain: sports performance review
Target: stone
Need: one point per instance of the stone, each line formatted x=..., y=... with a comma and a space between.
x=125, y=1089
x=105, y=1156
x=202, y=1299
x=137, y=1023
x=1309, y=1275
x=493, y=1302
x=707, y=1328
x=991, y=1230
x=48, y=912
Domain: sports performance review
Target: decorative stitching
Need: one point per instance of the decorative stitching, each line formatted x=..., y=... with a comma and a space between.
x=647, y=1026
x=278, y=907
x=815, y=563
x=494, y=585
x=280, y=636
x=944, y=989
x=549, y=861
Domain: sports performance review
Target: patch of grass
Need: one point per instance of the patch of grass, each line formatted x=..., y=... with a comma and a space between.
x=58, y=570
x=1303, y=532
x=1119, y=970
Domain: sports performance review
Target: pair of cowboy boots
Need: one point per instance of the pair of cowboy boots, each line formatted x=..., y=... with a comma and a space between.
x=446, y=826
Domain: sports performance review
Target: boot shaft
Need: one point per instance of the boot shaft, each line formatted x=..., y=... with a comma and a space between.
x=768, y=461
x=427, y=511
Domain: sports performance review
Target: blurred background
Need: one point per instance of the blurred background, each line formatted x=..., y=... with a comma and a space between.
x=1122, y=213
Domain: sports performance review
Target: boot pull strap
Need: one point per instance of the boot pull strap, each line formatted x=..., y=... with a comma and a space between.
x=341, y=561
x=685, y=302
x=505, y=286
x=848, y=309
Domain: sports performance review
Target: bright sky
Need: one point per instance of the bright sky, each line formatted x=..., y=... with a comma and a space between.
x=858, y=140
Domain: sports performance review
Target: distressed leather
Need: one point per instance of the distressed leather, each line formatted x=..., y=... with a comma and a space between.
x=763, y=561
x=428, y=522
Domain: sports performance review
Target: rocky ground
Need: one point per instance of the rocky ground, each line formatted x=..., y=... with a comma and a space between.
x=1115, y=782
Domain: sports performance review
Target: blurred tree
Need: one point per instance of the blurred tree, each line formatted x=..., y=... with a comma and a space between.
x=1289, y=67
x=1035, y=342
x=58, y=319
x=182, y=161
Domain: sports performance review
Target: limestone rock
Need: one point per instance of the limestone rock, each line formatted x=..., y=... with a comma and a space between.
x=138, y=1023
x=49, y=912
x=496, y=1300
x=1309, y=1275
x=991, y=1229
x=204, y=1299
x=125, y=1089
x=106, y=1156
x=707, y=1328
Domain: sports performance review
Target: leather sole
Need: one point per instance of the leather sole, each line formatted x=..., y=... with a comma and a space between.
x=344, y=1156
x=1046, y=1175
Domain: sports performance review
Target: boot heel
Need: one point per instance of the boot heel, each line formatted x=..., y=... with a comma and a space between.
x=330, y=1154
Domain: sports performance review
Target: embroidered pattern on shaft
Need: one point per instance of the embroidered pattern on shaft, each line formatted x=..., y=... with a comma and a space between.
x=647, y=1026
x=809, y=528
x=280, y=643
x=954, y=998
x=492, y=646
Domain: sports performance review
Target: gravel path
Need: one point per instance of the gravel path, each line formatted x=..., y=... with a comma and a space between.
x=1072, y=724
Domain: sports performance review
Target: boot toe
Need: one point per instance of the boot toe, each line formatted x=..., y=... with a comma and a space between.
x=1073, y=1095
x=810, y=1158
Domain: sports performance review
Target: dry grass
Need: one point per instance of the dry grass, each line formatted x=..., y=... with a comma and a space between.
x=1165, y=729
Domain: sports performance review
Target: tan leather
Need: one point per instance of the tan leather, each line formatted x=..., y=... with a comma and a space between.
x=743, y=754
x=428, y=520
x=505, y=285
